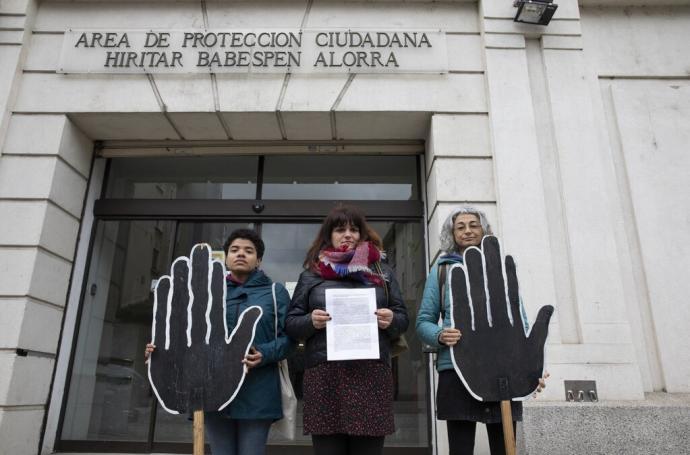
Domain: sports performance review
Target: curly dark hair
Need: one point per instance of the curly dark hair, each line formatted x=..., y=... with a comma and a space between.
x=246, y=234
x=341, y=215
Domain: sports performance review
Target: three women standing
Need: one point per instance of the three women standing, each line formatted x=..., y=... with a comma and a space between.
x=348, y=405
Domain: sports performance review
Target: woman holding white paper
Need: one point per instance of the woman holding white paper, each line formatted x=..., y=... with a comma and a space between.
x=348, y=404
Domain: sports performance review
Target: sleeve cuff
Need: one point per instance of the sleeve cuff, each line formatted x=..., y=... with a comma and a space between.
x=438, y=341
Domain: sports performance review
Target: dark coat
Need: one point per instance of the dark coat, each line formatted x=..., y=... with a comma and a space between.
x=310, y=294
x=259, y=397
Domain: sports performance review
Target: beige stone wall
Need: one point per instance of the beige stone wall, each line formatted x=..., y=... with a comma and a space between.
x=571, y=137
x=640, y=58
x=44, y=168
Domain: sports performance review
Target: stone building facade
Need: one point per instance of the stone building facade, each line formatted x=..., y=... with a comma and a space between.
x=571, y=136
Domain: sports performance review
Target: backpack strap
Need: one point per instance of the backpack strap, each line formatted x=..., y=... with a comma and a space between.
x=275, y=308
x=442, y=272
x=377, y=265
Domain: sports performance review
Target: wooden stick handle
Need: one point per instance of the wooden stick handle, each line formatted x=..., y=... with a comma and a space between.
x=508, y=434
x=198, y=432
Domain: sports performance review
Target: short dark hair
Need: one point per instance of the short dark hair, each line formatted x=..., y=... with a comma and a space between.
x=246, y=234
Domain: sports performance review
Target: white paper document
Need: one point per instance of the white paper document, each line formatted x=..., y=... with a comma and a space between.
x=352, y=333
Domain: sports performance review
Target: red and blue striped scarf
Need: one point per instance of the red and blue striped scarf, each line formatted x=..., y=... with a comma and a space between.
x=355, y=264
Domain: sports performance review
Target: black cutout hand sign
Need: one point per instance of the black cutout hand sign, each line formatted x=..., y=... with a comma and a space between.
x=196, y=365
x=495, y=358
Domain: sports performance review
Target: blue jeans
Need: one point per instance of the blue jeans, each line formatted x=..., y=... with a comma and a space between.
x=236, y=436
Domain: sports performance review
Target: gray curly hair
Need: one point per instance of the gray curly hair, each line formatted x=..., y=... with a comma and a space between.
x=448, y=239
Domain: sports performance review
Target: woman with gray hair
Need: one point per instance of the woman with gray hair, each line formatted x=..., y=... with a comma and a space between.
x=447, y=237
x=464, y=227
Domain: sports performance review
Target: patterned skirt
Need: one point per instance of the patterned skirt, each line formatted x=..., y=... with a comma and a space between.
x=350, y=397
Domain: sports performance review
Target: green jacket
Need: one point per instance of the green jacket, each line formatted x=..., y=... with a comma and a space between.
x=259, y=396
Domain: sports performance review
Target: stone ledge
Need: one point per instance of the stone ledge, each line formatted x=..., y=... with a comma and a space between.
x=656, y=425
x=651, y=400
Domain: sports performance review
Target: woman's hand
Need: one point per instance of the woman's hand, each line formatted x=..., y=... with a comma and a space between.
x=449, y=337
x=253, y=358
x=542, y=384
x=319, y=319
x=150, y=347
x=384, y=317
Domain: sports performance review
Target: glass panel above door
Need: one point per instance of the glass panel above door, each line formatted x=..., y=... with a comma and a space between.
x=335, y=177
x=214, y=177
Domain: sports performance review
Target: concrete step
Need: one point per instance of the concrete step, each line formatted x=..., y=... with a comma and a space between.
x=659, y=424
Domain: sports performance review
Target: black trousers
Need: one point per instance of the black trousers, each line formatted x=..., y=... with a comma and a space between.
x=345, y=444
x=461, y=437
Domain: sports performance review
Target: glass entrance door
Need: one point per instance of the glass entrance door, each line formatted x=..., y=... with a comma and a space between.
x=109, y=405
